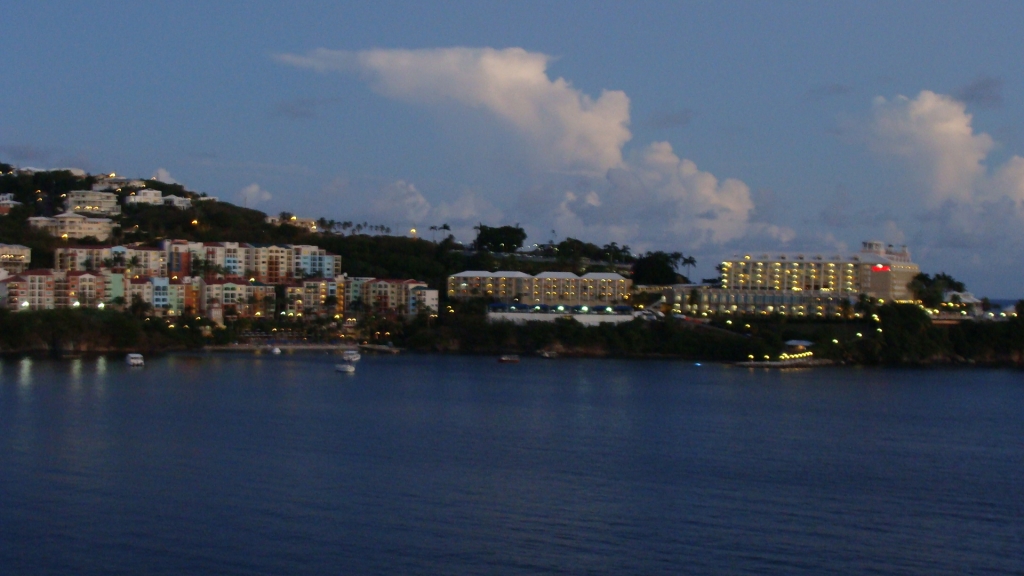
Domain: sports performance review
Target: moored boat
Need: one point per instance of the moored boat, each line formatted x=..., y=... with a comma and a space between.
x=350, y=356
x=345, y=368
x=508, y=359
x=134, y=360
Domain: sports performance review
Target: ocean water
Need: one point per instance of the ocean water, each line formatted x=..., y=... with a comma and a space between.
x=239, y=464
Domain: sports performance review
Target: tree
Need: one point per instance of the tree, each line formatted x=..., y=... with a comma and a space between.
x=657, y=268
x=689, y=262
x=932, y=291
x=506, y=239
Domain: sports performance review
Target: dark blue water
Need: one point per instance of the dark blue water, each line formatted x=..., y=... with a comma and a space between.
x=449, y=465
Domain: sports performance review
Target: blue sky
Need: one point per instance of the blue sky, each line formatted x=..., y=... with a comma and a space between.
x=708, y=128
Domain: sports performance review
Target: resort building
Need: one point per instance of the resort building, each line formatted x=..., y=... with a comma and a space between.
x=354, y=291
x=15, y=257
x=117, y=183
x=79, y=289
x=30, y=290
x=315, y=296
x=71, y=225
x=179, y=202
x=384, y=295
x=802, y=284
x=7, y=202
x=422, y=299
x=145, y=196
x=92, y=202
x=548, y=288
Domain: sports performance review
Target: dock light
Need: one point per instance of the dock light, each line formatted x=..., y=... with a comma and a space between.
x=859, y=335
x=879, y=329
x=834, y=341
x=195, y=222
x=24, y=304
x=76, y=304
x=750, y=356
x=766, y=357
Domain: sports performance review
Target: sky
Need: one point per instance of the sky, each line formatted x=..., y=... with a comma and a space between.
x=710, y=129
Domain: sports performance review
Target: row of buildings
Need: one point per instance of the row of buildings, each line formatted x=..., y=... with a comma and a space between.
x=216, y=279
x=798, y=284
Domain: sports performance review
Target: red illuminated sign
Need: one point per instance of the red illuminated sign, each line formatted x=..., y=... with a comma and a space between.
x=879, y=268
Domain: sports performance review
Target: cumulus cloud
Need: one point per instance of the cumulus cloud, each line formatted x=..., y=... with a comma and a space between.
x=655, y=200
x=572, y=129
x=586, y=187
x=967, y=206
x=252, y=195
x=163, y=175
x=934, y=133
x=400, y=204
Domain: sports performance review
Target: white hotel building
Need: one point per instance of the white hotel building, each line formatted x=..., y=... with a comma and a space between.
x=545, y=288
x=810, y=284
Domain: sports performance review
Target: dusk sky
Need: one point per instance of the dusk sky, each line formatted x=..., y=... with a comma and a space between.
x=705, y=128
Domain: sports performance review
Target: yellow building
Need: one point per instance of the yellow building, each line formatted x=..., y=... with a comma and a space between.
x=803, y=284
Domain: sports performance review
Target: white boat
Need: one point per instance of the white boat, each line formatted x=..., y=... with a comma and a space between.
x=350, y=356
x=346, y=368
x=134, y=360
x=275, y=350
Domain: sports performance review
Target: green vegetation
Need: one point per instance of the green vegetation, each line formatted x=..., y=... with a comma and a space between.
x=502, y=239
x=467, y=331
x=931, y=290
x=659, y=268
x=94, y=331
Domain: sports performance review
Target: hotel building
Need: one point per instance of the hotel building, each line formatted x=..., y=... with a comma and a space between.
x=551, y=288
x=803, y=283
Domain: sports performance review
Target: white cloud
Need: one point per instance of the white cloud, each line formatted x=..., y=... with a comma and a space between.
x=656, y=200
x=934, y=133
x=163, y=175
x=971, y=217
x=573, y=130
x=252, y=195
x=401, y=205
x=400, y=201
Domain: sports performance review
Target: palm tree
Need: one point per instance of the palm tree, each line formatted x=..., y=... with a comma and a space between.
x=689, y=262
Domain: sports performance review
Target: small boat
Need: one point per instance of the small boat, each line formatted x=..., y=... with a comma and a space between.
x=346, y=368
x=350, y=356
x=134, y=360
x=275, y=350
x=508, y=359
x=548, y=354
